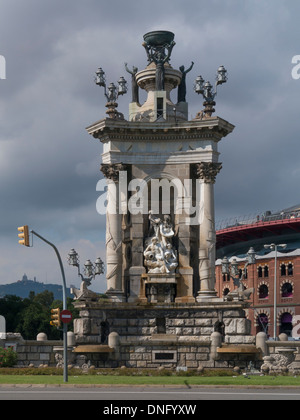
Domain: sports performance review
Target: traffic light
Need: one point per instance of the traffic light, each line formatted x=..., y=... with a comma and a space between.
x=55, y=316
x=24, y=235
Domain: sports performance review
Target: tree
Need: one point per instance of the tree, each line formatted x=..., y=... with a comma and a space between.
x=32, y=315
x=44, y=298
x=11, y=307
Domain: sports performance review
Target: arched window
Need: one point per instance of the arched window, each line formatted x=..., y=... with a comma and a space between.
x=286, y=325
x=286, y=290
x=283, y=270
x=263, y=291
x=226, y=277
x=262, y=323
x=226, y=291
x=266, y=271
x=290, y=269
x=259, y=271
x=243, y=273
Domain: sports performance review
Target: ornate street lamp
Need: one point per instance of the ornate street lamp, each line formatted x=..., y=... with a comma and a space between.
x=90, y=270
x=100, y=77
x=274, y=247
x=251, y=256
x=206, y=90
x=225, y=265
x=199, y=82
x=99, y=267
x=234, y=268
x=221, y=75
x=122, y=86
x=111, y=92
x=231, y=269
x=73, y=258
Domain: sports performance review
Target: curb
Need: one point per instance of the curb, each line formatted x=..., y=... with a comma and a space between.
x=148, y=386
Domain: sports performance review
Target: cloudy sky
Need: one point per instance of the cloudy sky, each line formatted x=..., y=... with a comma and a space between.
x=49, y=165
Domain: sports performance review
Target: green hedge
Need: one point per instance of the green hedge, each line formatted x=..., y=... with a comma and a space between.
x=8, y=357
x=112, y=372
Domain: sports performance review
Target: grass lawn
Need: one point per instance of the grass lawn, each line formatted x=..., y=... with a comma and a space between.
x=152, y=380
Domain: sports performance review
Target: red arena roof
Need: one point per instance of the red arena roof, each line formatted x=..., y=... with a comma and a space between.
x=257, y=230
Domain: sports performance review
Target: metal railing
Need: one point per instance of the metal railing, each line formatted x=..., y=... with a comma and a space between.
x=253, y=219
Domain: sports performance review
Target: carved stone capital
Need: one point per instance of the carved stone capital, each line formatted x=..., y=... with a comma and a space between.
x=111, y=170
x=208, y=171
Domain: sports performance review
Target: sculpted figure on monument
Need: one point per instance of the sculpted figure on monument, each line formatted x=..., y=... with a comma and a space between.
x=134, y=85
x=160, y=72
x=182, y=86
x=159, y=55
x=160, y=256
x=154, y=223
x=154, y=256
x=170, y=259
x=166, y=230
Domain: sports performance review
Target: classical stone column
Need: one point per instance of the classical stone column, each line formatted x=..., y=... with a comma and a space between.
x=207, y=172
x=113, y=232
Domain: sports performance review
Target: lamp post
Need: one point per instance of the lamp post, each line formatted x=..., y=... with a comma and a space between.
x=206, y=90
x=64, y=288
x=112, y=92
x=90, y=270
x=231, y=269
x=274, y=247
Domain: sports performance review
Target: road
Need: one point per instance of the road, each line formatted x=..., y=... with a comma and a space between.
x=139, y=393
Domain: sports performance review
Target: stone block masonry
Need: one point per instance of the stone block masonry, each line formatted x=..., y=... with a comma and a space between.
x=34, y=353
x=170, y=336
x=143, y=338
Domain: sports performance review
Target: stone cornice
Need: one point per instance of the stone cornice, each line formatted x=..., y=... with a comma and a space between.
x=109, y=128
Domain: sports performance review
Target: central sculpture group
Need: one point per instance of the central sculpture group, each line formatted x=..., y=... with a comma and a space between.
x=159, y=254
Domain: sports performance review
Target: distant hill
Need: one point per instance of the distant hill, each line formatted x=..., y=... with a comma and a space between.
x=23, y=287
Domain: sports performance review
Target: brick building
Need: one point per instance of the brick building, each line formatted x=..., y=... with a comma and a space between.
x=234, y=242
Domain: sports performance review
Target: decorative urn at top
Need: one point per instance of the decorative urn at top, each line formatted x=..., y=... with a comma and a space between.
x=158, y=38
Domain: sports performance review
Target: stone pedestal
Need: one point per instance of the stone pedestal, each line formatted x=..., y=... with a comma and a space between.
x=158, y=105
x=165, y=334
x=160, y=287
x=136, y=275
x=184, y=291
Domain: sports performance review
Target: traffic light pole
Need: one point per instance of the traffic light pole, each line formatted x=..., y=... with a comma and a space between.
x=65, y=326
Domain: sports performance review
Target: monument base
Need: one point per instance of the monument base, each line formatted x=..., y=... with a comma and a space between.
x=115, y=295
x=171, y=335
x=205, y=295
x=160, y=287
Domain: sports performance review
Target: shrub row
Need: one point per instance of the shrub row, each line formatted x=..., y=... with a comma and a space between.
x=113, y=372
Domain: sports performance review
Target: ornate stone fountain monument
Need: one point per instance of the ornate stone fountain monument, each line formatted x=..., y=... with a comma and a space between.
x=160, y=168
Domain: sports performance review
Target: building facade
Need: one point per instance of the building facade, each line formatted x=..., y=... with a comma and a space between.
x=282, y=228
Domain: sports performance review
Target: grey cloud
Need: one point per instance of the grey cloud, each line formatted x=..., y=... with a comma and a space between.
x=49, y=165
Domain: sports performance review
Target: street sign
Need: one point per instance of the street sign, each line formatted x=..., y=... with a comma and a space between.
x=66, y=316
